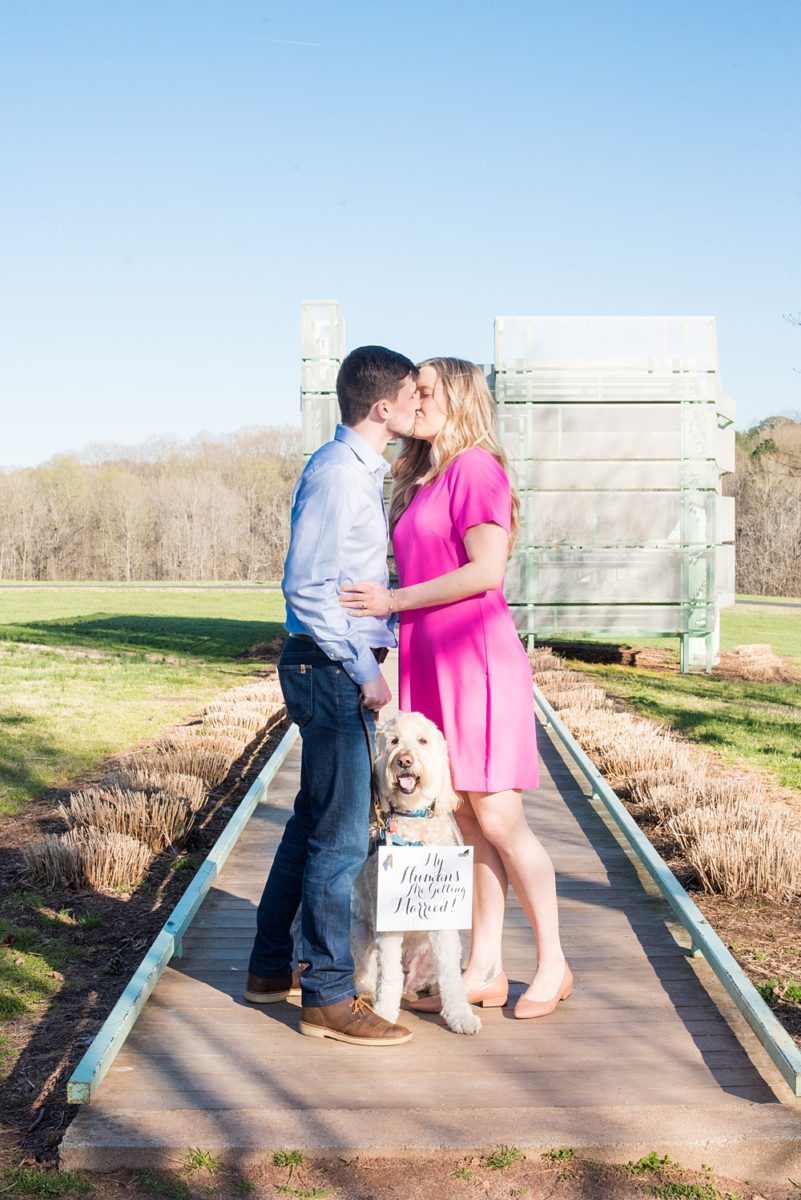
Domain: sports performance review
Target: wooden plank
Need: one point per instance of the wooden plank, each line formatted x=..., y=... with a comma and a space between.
x=625, y=941
x=497, y=1024
x=580, y=914
x=213, y=1044
x=599, y=891
x=521, y=954
x=641, y=977
x=190, y=993
x=567, y=1088
x=249, y=1075
x=619, y=1012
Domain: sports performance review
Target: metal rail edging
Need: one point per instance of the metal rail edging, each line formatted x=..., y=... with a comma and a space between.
x=91, y=1070
x=777, y=1042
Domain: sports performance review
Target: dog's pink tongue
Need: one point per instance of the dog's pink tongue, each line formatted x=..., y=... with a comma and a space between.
x=407, y=782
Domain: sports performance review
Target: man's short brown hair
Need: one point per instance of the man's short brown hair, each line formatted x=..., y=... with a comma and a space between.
x=369, y=374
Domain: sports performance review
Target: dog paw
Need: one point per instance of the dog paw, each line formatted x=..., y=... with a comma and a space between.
x=463, y=1022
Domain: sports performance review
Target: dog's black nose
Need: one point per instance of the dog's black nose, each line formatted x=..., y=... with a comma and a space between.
x=406, y=760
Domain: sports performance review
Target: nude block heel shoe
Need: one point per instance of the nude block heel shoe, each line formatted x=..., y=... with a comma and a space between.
x=542, y=1008
x=490, y=995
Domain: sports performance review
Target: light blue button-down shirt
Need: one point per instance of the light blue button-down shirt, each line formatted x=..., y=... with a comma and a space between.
x=339, y=535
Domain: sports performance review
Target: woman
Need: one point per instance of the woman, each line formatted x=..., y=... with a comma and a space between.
x=453, y=522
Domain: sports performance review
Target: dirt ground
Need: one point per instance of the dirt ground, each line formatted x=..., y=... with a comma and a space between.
x=444, y=1176
x=33, y=1108
x=755, y=663
x=763, y=935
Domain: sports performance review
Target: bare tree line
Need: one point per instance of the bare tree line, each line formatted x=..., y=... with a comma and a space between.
x=211, y=508
x=767, y=490
x=218, y=508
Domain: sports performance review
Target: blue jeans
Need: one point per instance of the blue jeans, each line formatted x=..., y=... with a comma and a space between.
x=325, y=841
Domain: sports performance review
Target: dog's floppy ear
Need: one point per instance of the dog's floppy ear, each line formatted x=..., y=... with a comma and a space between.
x=383, y=732
x=381, y=764
x=447, y=798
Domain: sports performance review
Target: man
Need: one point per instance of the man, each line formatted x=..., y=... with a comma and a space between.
x=333, y=686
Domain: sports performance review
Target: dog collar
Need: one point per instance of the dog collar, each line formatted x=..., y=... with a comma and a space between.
x=394, y=839
x=421, y=812
x=387, y=837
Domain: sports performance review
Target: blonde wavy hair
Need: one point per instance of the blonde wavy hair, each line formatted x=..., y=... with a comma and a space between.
x=470, y=422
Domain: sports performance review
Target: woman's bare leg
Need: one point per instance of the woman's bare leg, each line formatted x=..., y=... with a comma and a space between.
x=490, y=885
x=530, y=870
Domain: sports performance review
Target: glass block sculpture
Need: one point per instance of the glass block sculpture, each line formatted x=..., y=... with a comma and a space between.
x=618, y=435
x=322, y=350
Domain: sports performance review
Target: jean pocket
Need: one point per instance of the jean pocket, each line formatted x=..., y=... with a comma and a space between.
x=296, y=684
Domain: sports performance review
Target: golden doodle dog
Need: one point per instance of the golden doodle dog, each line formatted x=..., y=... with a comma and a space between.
x=413, y=776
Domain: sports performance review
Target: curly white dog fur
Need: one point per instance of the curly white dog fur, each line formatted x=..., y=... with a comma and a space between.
x=412, y=773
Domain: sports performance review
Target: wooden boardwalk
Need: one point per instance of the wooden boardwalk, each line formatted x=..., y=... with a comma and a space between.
x=648, y=1053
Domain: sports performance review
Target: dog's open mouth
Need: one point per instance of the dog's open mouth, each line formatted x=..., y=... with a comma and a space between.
x=407, y=782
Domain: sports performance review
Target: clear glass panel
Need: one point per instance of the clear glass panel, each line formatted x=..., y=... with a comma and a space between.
x=725, y=406
x=614, y=619
x=608, y=576
x=606, y=519
x=725, y=449
x=608, y=431
x=725, y=519
x=614, y=476
x=320, y=417
x=632, y=519
x=580, y=386
x=322, y=329
x=650, y=343
x=724, y=569
x=319, y=375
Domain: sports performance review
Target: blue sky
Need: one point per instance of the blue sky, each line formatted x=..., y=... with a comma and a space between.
x=179, y=174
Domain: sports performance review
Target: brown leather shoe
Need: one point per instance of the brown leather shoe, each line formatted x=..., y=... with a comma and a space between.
x=271, y=988
x=354, y=1022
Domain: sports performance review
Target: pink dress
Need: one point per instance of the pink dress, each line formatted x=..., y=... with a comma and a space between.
x=462, y=664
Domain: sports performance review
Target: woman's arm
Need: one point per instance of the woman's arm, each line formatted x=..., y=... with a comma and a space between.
x=487, y=547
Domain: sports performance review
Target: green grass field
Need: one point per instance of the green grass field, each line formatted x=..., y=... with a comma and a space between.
x=86, y=672
x=742, y=626
x=778, y=599
x=754, y=723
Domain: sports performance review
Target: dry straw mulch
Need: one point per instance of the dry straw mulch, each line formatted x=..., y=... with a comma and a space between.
x=158, y=819
x=150, y=802
x=758, y=662
x=735, y=844
x=723, y=834
x=105, y=860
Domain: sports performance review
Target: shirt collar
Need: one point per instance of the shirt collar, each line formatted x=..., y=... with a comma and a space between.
x=362, y=449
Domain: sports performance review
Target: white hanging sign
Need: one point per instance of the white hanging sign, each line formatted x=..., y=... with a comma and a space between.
x=424, y=887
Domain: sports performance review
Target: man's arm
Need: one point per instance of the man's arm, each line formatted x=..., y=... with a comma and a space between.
x=323, y=514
